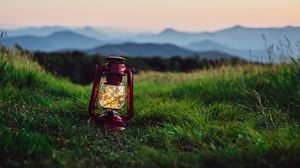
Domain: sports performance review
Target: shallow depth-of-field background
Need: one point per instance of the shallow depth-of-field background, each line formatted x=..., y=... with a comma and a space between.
x=242, y=116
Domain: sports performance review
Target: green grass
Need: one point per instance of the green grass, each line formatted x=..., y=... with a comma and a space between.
x=227, y=117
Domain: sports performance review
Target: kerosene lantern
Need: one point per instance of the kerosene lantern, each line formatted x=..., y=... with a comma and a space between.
x=111, y=95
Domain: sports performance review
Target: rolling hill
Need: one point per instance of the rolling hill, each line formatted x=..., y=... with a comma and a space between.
x=53, y=42
x=151, y=50
x=99, y=33
x=142, y=49
x=207, y=45
x=238, y=37
x=172, y=36
x=33, y=31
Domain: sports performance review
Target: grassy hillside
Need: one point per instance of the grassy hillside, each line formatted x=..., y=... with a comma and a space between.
x=231, y=116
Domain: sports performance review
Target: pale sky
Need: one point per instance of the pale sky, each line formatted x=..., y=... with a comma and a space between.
x=151, y=15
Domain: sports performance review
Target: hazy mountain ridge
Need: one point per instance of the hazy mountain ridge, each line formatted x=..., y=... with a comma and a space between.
x=55, y=41
x=33, y=31
x=173, y=36
x=153, y=49
x=238, y=37
x=248, y=43
x=142, y=49
x=100, y=33
x=207, y=45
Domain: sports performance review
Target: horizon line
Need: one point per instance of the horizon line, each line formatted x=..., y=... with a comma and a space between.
x=142, y=31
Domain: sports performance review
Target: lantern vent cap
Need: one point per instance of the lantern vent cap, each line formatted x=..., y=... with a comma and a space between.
x=116, y=58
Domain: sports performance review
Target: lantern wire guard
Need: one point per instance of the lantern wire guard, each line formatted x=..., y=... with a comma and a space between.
x=111, y=94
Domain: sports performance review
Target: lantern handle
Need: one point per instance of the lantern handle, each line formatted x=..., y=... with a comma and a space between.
x=99, y=72
x=129, y=72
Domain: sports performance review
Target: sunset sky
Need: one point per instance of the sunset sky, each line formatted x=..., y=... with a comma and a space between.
x=151, y=15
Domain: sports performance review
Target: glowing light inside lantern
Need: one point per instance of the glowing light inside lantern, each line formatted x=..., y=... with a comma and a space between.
x=111, y=96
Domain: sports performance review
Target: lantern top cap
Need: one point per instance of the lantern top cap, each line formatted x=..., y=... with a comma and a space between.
x=114, y=57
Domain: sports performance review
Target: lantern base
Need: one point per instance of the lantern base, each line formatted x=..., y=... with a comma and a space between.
x=111, y=121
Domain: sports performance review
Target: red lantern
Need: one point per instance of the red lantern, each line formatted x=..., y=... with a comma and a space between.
x=111, y=95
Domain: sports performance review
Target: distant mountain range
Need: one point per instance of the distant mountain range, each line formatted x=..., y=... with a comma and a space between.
x=144, y=49
x=55, y=41
x=207, y=45
x=236, y=37
x=100, y=33
x=152, y=49
x=248, y=43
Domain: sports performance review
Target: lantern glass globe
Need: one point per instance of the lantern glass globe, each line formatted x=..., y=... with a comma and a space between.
x=111, y=96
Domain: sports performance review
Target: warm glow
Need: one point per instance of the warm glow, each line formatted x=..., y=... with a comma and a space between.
x=111, y=96
x=151, y=15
